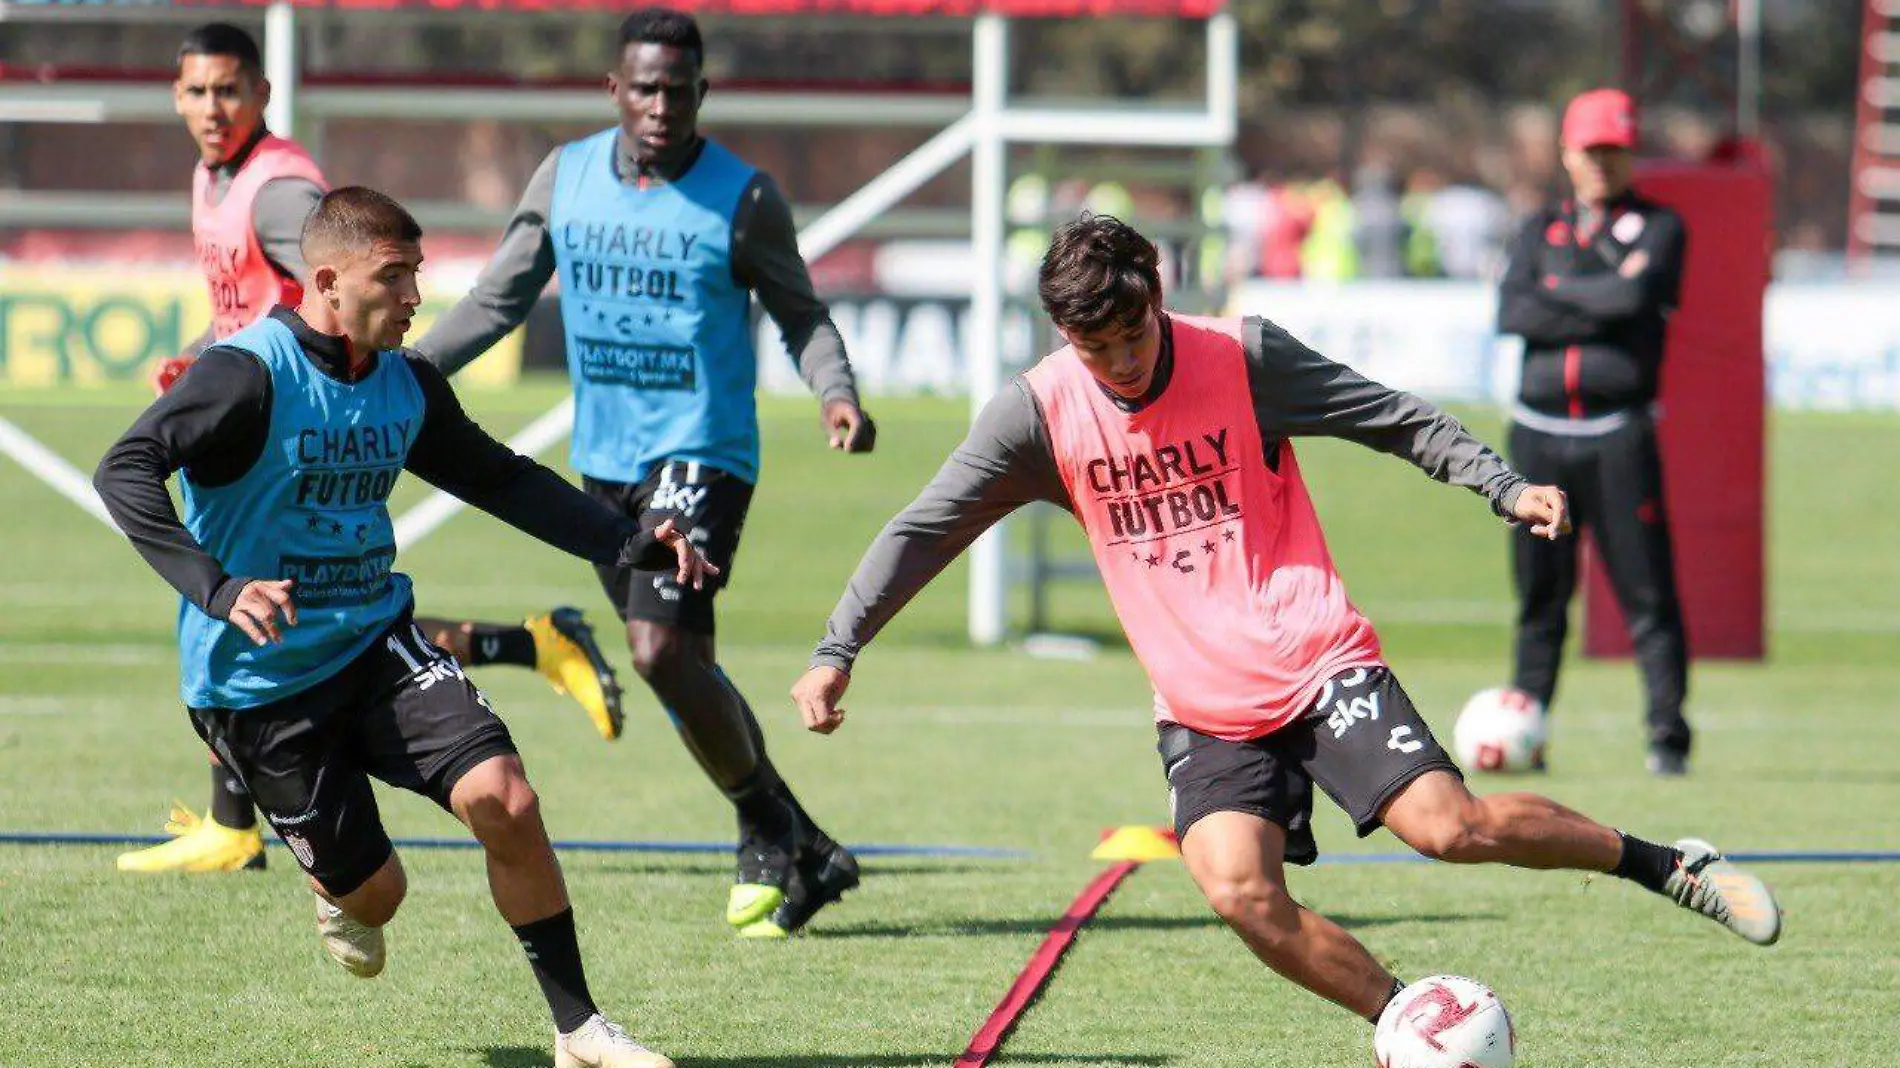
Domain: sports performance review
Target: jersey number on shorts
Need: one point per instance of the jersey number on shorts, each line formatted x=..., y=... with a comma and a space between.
x=435, y=665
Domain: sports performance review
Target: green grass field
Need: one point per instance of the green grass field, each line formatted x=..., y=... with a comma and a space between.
x=950, y=746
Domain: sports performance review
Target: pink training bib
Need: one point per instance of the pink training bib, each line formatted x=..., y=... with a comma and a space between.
x=244, y=283
x=1215, y=563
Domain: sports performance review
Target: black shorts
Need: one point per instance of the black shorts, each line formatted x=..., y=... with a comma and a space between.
x=1361, y=742
x=402, y=711
x=714, y=502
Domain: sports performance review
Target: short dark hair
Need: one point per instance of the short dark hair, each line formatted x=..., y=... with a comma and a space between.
x=1099, y=272
x=663, y=26
x=224, y=39
x=353, y=218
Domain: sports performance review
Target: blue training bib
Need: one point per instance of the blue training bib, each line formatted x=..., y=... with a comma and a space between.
x=659, y=334
x=313, y=508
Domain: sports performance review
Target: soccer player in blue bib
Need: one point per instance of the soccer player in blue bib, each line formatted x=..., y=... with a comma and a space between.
x=301, y=662
x=252, y=192
x=661, y=239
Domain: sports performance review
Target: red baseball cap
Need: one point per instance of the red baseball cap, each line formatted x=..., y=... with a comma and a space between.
x=1600, y=117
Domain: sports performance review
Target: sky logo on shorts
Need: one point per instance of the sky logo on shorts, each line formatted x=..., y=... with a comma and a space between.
x=1349, y=708
x=682, y=497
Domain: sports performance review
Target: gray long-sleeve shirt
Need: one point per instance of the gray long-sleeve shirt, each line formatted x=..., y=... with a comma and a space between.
x=1007, y=461
x=277, y=217
x=765, y=259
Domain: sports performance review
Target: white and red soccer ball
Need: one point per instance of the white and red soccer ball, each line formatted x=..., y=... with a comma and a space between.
x=1500, y=729
x=1445, y=1021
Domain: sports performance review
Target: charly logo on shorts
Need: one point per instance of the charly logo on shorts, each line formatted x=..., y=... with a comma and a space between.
x=299, y=848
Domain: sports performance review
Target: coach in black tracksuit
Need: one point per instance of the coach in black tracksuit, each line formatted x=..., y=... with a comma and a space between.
x=1590, y=285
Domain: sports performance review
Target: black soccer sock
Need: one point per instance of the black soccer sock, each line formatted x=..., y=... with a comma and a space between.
x=1645, y=863
x=762, y=810
x=492, y=643
x=231, y=804
x=805, y=822
x=555, y=955
x=1397, y=985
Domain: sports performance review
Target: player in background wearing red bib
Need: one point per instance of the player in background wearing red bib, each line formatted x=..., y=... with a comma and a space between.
x=1169, y=439
x=250, y=195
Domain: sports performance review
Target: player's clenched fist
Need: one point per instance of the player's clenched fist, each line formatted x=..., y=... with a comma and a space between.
x=1545, y=509
x=817, y=694
x=167, y=372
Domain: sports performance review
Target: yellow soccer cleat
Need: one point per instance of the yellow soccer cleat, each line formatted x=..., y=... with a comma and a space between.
x=824, y=871
x=764, y=929
x=748, y=904
x=566, y=654
x=198, y=845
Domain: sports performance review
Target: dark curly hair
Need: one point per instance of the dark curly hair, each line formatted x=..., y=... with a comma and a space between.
x=663, y=26
x=1099, y=272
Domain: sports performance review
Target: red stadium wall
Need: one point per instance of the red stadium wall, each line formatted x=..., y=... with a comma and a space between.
x=1712, y=429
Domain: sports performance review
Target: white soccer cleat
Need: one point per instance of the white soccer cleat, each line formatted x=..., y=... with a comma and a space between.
x=357, y=946
x=601, y=1043
x=1708, y=883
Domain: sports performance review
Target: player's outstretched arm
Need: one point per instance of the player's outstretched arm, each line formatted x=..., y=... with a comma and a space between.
x=1005, y=463
x=1297, y=392
x=765, y=258
x=456, y=455
x=508, y=286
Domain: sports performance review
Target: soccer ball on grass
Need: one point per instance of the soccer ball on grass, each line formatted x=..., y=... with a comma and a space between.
x=1445, y=1021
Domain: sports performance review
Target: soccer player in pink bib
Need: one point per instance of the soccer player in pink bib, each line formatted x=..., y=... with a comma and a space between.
x=1169, y=438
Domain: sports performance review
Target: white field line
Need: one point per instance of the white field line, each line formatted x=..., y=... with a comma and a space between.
x=51, y=468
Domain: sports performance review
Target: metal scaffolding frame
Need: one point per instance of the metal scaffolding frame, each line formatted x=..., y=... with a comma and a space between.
x=983, y=128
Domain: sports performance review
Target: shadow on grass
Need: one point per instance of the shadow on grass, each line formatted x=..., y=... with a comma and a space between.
x=1042, y=924
x=539, y=1057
